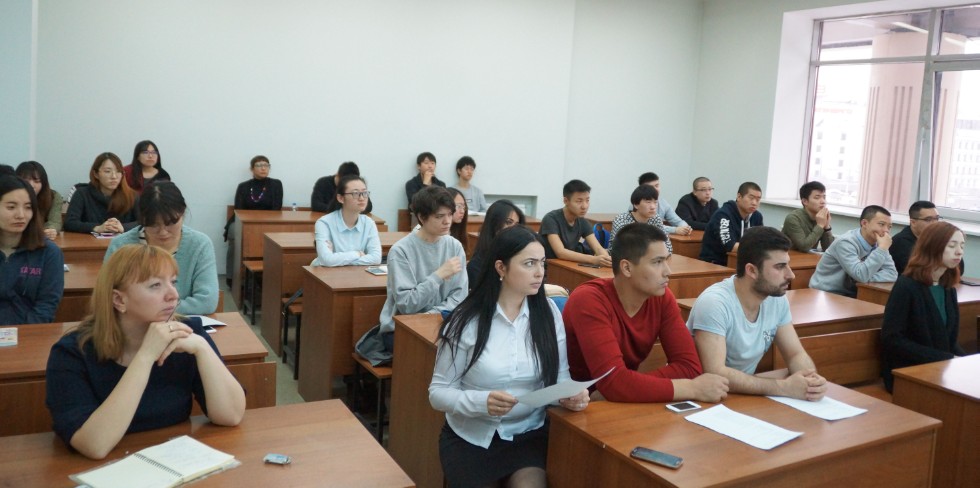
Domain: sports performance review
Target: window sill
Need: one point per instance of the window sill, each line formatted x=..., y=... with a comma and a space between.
x=970, y=228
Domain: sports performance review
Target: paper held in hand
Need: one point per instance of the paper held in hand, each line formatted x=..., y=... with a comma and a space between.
x=557, y=391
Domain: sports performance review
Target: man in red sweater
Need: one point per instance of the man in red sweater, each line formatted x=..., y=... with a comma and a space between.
x=614, y=323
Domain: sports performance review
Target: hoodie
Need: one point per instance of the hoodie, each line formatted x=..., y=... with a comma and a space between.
x=724, y=230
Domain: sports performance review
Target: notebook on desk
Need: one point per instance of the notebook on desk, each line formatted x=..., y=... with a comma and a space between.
x=172, y=463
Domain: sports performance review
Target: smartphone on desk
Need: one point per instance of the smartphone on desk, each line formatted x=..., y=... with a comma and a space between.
x=682, y=406
x=656, y=457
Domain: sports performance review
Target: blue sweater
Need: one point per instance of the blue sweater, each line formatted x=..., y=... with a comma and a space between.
x=78, y=383
x=31, y=285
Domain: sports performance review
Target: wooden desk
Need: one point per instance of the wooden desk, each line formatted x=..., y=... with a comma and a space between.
x=79, y=283
x=803, y=264
x=948, y=391
x=967, y=296
x=23, y=368
x=606, y=219
x=817, y=312
x=690, y=245
x=328, y=445
x=474, y=223
x=888, y=445
x=329, y=299
x=413, y=435
x=81, y=247
x=688, y=276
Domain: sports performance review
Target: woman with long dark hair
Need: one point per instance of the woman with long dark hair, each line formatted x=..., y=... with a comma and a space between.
x=501, y=215
x=505, y=339
x=460, y=218
x=49, y=202
x=146, y=168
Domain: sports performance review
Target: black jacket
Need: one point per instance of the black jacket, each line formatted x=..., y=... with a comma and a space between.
x=413, y=186
x=695, y=214
x=724, y=230
x=90, y=208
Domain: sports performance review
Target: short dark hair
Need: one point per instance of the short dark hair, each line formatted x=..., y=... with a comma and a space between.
x=162, y=201
x=644, y=192
x=348, y=168
x=464, y=162
x=575, y=186
x=748, y=186
x=755, y=245
x=430, y=199
x=257, y=159
x=423, y=156
x=920, y=206
x=870, y=211
x=809, y=188
x=699, y=179
x=647, y=178
x=632, y=242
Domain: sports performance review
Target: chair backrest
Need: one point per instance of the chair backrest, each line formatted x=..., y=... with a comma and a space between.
x=366, y=310
x=844, y=358
x=602, y=235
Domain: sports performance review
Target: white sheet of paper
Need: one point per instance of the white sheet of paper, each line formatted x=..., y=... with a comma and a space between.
x=206, y=321
x=827, y=408
x=557, y=391
x=741, y=427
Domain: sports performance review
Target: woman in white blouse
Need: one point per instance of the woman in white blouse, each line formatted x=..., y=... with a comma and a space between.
x=505, y=339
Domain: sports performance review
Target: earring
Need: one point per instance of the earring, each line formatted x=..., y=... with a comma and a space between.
x=501, y=278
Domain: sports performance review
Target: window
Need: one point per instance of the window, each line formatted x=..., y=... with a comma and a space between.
x=903, y=91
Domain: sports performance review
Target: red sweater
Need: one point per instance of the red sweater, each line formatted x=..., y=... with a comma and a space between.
x=601, y=335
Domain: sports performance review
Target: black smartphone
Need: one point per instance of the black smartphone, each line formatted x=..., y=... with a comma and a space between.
x=587, y=265
x=656, y=457
x=965, y=282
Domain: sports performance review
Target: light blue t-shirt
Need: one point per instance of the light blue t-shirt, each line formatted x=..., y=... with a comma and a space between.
x=718, y=311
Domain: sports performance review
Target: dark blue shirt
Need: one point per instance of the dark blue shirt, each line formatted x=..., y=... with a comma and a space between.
x=31, y=285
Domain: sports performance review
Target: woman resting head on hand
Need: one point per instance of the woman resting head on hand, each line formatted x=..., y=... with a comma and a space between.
x=132, y=365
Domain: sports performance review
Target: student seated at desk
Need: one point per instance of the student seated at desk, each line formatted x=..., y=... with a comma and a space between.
x=503, y=214
x=105, y=204
x=162, y=209
x=260, y=192
x=32, y=274
x=345, y=236
x=131, y=365
x=505, y=339
x=475, y=199
x=146, y=168
x=729, y=223
x=858, y=256
x=460, y=218
x=644, y=200
x=673, y=223
x=615, y=323
x=922, y=214
x=736, y=321
x=426, y=165
x=563, y=229
x=697, y=207
x=49, y=201
x=922, y=316
x=324, y=197
x=809, y=227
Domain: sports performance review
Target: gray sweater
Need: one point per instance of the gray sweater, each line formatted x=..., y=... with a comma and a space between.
x=413, y=286
x=849, y=256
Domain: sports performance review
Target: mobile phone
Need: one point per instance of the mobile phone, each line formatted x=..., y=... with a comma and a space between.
x=656, y=457
x=209, y=329
x=587, y=265
x=682, y=406
x=969, y=282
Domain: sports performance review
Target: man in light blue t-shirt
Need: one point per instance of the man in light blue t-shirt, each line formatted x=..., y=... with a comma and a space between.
x=736, y=321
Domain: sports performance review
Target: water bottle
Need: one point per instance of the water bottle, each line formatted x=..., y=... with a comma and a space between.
x=294, y=206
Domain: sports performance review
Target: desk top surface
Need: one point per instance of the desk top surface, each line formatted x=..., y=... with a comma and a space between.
x=81, y=276
x=695, y=236
x=80, y=241
x=347, y=278
x=424, y=326
x=711, y=458
x=680, y=267
x=327, y=444
x=29, y=358
x=957, y=376
x=305, y=240
x=811, y=306
x=964, y=293
x=797, y=259
x=478, y=219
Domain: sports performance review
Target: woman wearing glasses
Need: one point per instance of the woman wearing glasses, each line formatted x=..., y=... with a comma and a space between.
x=505, y=339
x=146, y=168
x=345, y=237
x=162, y=209
x=105, y=204
x=460, y=217
x=260, y=192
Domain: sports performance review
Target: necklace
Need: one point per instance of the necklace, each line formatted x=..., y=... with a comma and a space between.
x=252, y=197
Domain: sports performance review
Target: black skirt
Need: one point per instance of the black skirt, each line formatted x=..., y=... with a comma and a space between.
x=466, y=465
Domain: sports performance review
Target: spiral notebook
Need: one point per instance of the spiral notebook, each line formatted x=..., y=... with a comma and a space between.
x=172, y=463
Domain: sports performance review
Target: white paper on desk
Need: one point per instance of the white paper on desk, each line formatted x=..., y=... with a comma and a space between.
x=206, y=321
x=741, y=427
x=557, y=391
x=827, y=408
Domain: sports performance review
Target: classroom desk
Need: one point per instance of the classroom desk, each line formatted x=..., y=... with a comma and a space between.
x=948, y=391
x=23, y=367
x=967, y=296
x=330, y=296
x=886, y=446
x=803, y=264
x=689, y=245
x=413, y=432
x=328, y=446
x=688, y=276
x=606, y=219
x=81, y=247
x=79, y=283
x=474, y=223
x=817, y=312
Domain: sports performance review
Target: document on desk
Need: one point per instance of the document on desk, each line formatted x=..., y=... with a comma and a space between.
x=827, y=408
x=741, y=427
x=557, y=391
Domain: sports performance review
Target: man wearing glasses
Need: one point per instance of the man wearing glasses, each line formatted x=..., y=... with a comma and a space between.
x=921, y=215
x=697, y=207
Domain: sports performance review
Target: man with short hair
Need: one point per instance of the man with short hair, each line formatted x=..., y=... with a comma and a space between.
x=425, y=163
x=697, y=207
x=614, y=323
x=734, y=322
x=476, y=201
x=672, y=222
x=729, y=223
x=809, y=227
x=564, y=229
x=858, y=256
x=921, y=214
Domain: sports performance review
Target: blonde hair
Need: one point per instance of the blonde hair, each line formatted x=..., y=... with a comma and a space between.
x=130, y=264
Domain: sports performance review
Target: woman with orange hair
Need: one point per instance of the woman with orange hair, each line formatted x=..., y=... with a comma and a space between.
x=132, y=365
x=106, y=204
x=922, y=316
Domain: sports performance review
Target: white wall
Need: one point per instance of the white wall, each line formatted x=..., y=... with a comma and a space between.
x=15, y=80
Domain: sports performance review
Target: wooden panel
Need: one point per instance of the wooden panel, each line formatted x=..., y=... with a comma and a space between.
x=404, y=220
x=845, y=358
x=367, y=309
x=22, y=408
x=688, y=246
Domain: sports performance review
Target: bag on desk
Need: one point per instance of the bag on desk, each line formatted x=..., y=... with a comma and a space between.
x=371, y=346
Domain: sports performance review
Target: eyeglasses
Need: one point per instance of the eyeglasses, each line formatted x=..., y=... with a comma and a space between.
x=460, y=206
x=262, y=165
x=705, y=189
x=150, y=153
x=929, y=220
x=110, y=172
x=358, y=194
